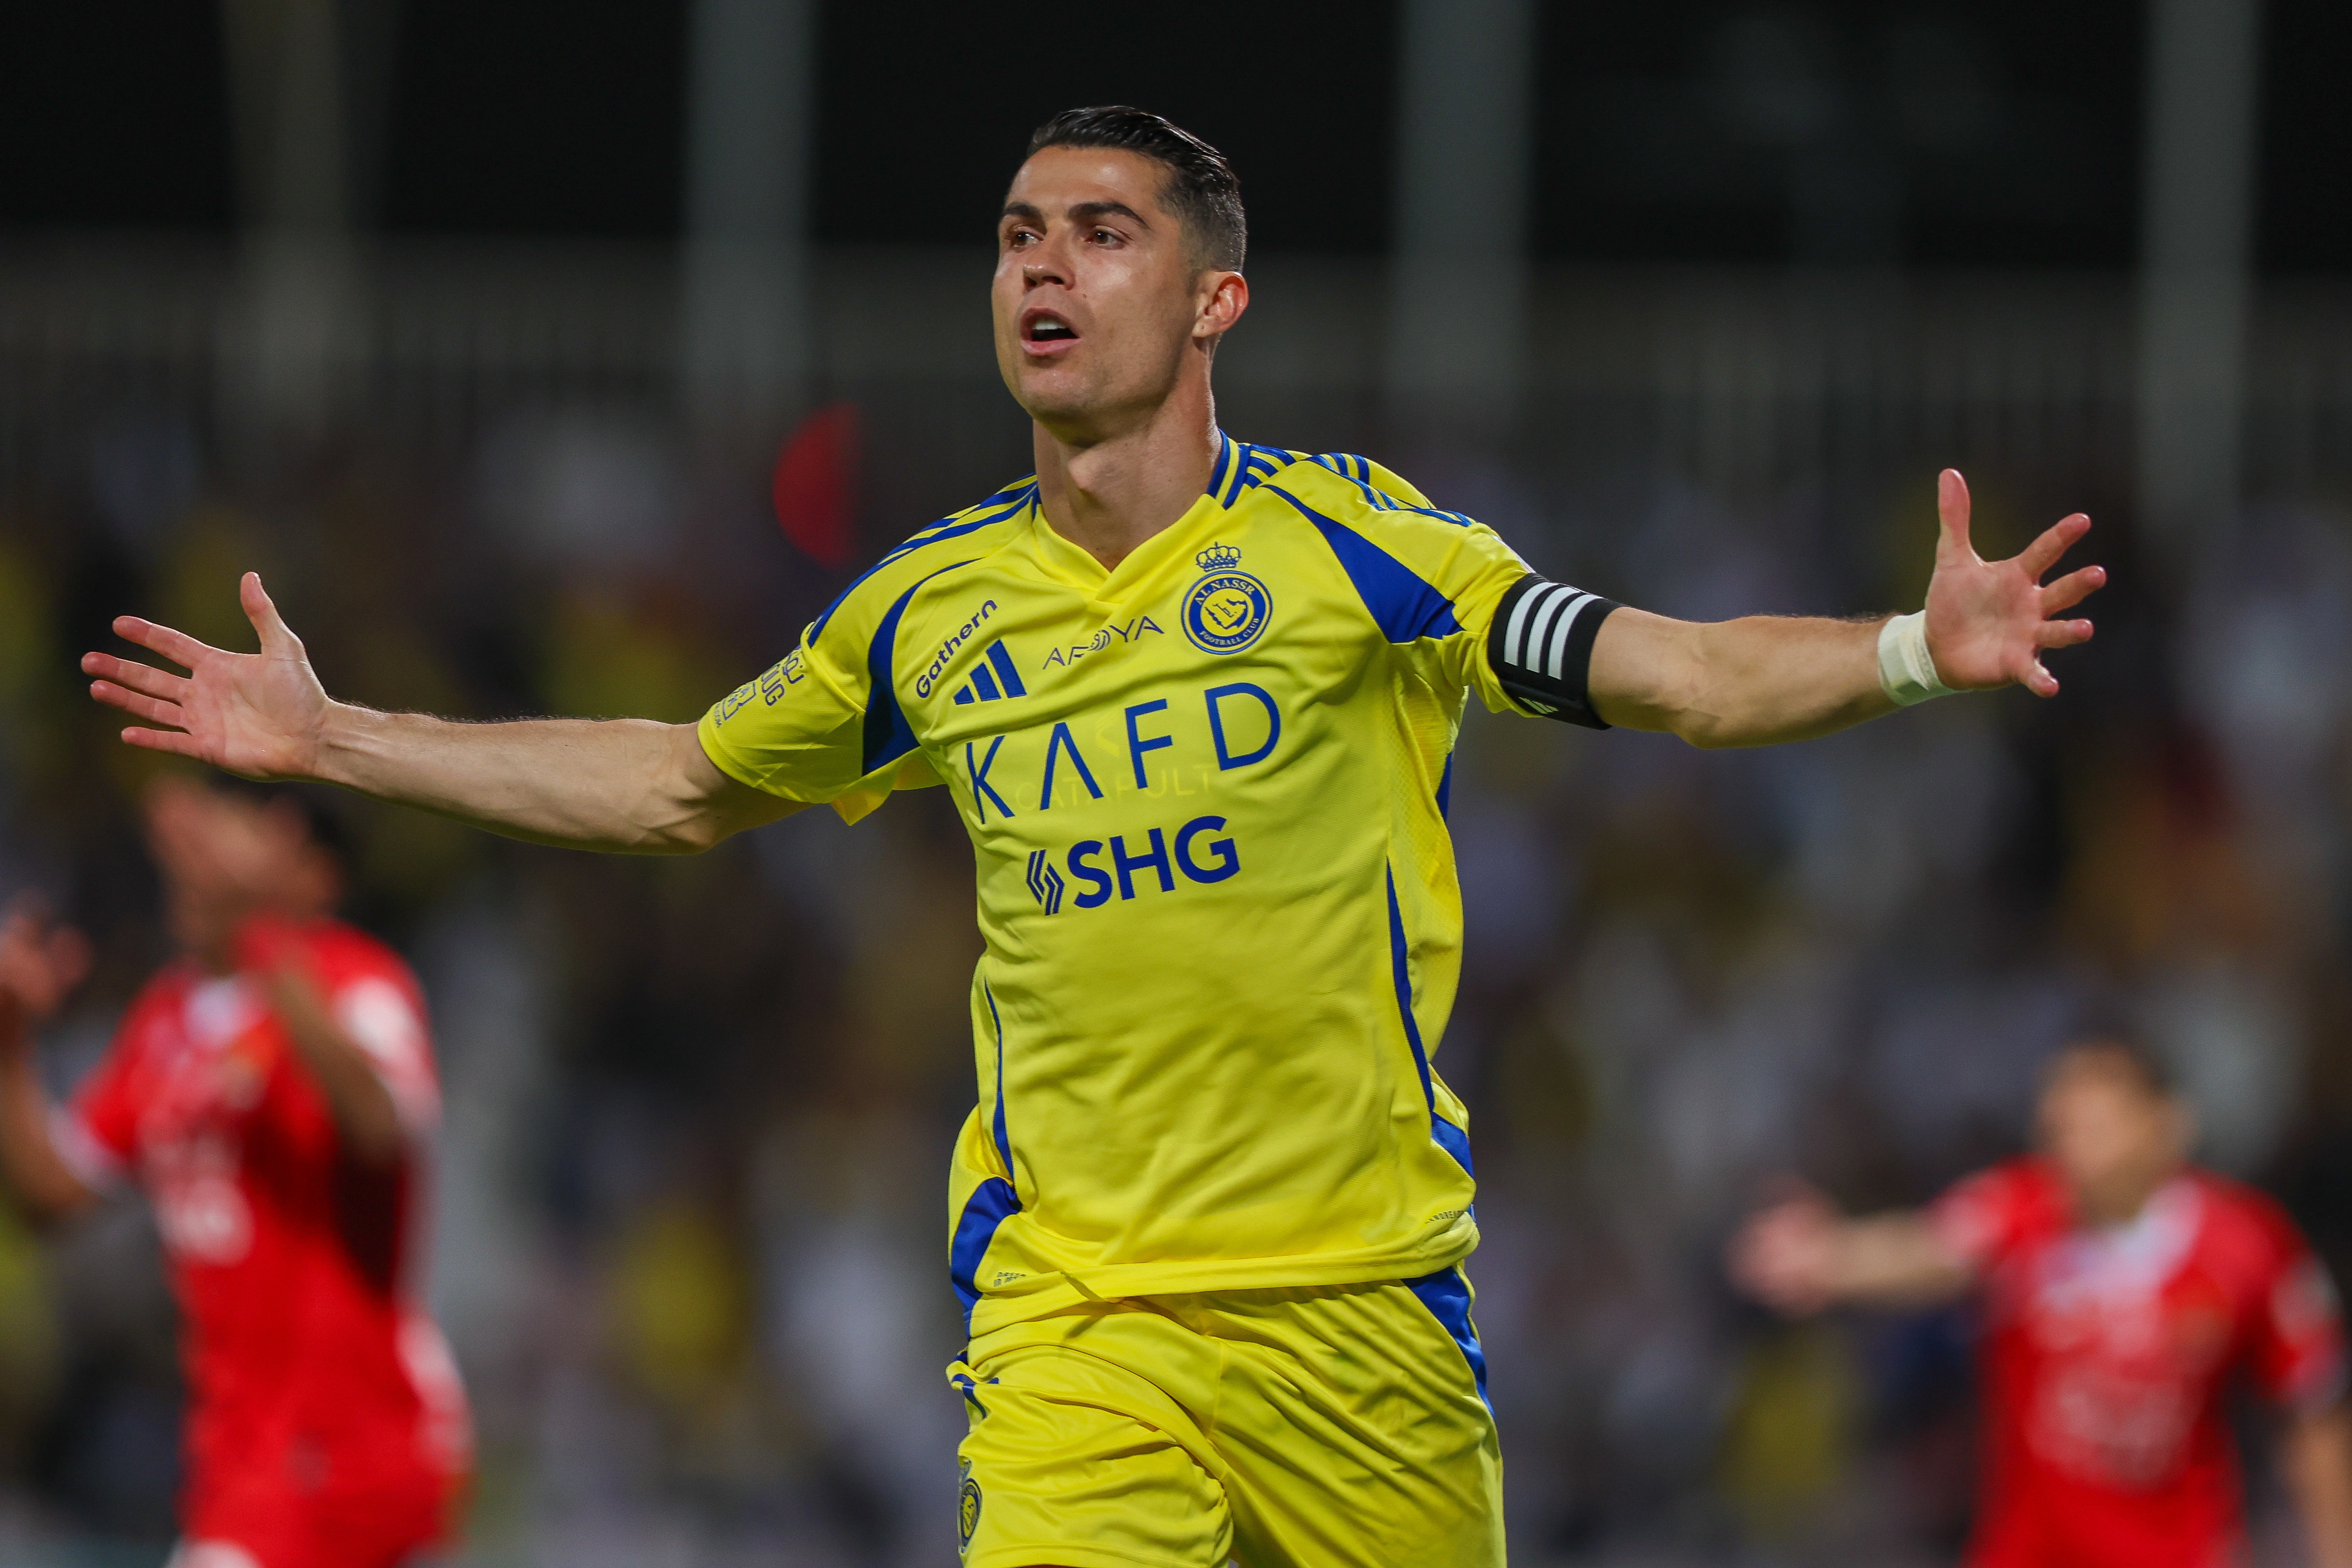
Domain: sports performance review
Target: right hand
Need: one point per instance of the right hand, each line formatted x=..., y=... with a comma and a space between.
x=40, y=964
x=259, y=715
x=1785, y=1256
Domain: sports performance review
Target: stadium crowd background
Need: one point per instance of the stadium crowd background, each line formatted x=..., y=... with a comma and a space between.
x=453, y=386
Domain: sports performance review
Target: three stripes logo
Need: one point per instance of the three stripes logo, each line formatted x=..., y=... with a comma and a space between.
x=1535, y=639
x=1044, y=882
x=994, y=679
x=1541, y=648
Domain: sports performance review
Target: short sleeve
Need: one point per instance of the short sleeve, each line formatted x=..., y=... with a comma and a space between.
x=1523, y=643
x=2295, y=1351
x=800, y=730
x=1981, y=1218
x=383, y=1018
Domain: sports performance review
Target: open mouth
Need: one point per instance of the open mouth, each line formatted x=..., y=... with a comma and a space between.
x=1045, y=327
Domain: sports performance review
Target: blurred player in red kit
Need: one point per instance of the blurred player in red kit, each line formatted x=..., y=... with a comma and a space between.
x=2122, y=1289
x=273, y=1092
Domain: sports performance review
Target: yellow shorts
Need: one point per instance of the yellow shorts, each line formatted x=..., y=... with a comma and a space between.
x=1309, y=1428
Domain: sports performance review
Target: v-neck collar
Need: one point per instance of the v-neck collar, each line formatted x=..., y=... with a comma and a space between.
x=1143, y=567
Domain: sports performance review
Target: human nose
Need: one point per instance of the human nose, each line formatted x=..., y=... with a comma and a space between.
x=1047, y=263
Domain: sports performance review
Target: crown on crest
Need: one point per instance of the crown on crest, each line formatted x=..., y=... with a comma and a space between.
x=1219, y=558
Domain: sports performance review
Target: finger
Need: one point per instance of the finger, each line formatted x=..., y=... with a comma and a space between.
x=1952, y=512
x=276, y=641
x=143, y=677
x=178, y=647
x=2062, y=633
x=177, y=742
x=2072, y=589
x=2056, y=539
x=136, y=704
x=2036, y=680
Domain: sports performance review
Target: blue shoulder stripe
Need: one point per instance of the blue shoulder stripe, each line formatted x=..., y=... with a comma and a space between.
x=1405, y=608
x=888, y=736
x=1008, y=502
x=1251, y=466
x=1358, y=471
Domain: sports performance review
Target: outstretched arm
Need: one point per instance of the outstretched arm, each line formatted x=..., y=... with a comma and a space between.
x=1764, y=679
x=38, y=965
x=1800, y=1255
x=356, y=1094
x=627, y=786
x=2315, y=1462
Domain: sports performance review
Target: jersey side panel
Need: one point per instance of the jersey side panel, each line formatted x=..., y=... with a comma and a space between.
x=1430, y=580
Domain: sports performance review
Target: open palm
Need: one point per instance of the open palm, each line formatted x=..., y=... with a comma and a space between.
x=256, y=714
x=1989, y=622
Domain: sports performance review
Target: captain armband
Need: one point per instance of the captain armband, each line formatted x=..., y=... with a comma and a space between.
x=1540, y=647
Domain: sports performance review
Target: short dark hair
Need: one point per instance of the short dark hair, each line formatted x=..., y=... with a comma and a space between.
x=321, y=818
x=1203, y=190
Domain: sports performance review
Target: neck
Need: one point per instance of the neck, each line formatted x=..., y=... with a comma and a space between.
x=2118, y=1202
x=1108, y=492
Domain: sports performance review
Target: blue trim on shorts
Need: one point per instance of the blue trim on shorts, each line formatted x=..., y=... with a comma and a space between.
x=1448, y=1296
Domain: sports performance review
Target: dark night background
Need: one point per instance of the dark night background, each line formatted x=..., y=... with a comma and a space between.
x=1789, y=259
x=2016, y=124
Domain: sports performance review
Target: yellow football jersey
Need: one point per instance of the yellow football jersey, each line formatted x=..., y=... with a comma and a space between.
x=1206, y=792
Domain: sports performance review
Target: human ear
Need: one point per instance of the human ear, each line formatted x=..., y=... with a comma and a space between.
x=1226, y=297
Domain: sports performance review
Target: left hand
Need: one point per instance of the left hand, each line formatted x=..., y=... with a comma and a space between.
x=1989, y=621
x=41, y=962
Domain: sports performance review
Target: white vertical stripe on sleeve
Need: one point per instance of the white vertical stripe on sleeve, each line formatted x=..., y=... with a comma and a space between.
x=1555, y=600
x=1513, y=641
x=1558, y=649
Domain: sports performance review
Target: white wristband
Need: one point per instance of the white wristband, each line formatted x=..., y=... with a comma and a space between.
x=1906, y=668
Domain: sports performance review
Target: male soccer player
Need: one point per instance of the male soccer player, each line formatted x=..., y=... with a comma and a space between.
x=2121, y=1292
x=1196, y=701
x=272, y=1091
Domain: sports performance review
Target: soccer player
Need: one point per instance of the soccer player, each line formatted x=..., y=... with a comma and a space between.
x=2121, y=1291
x=1196, y=701
x=272, y=1091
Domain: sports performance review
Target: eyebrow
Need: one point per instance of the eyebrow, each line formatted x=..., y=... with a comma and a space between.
x=1084, y=212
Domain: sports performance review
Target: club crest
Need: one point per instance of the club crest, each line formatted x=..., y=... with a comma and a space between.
x=1227, y=608
x=967, y=1512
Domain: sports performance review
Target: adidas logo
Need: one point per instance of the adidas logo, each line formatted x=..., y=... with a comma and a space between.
x=994, y=677
x=1044, y=882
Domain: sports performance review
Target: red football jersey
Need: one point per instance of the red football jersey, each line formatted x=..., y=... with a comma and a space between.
x=316, y=1380
x=2106, y=1356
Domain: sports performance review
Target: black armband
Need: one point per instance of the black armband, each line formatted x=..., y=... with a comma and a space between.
x=1541, y=648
